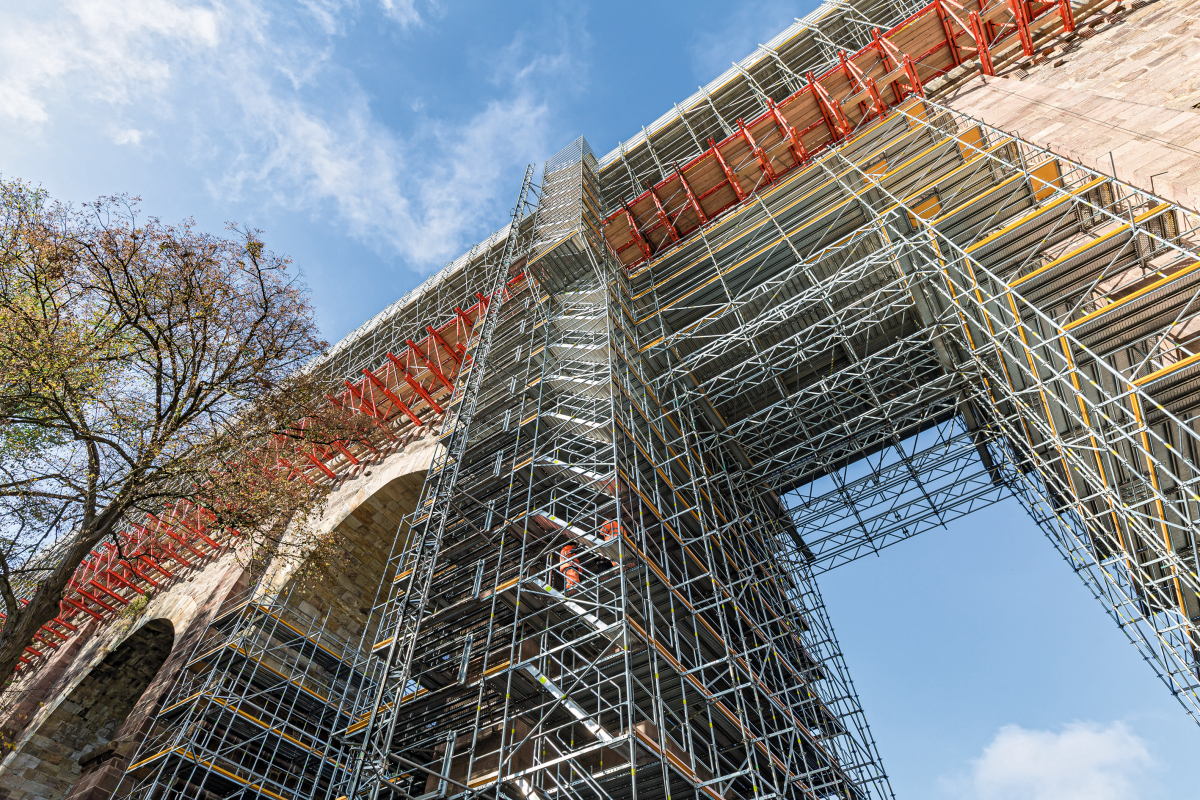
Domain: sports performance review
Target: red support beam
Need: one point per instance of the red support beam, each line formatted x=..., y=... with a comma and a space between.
x=166, y=548
x=730, y=177
x=866, y=83
x=437, y=339
x=1021, y=20
x=392, y=398
x=884, y=56
x=437, y=373
x=319, y=464
x=663, y=219
x=789, y=133
x=955, y=56
x=981, y=45
x=362, y=398
x=839, y=126
x=1068, y=17
x=82, y=607
x=349, y=456
x=414, y=384
x=55, y=631
x=140, y=574
x=635, y=234
x=82, y=593
x=291, y=468
x=108, y=592
x=691, y=196
x=171, y=532
x=892, y=50
x=846, y=69
x=195, y=531
x=149, y=559
x=914, y=80
x=354, y=392
x=966, y=26
x=763, y=162
x=119, y=579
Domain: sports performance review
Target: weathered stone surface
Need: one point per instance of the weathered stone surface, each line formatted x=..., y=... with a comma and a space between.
x=58, y=717
x=366, y=513
x=1131, y=90
x=1149, y=56
x=49, y=764
x=32, y=704
x=1156, y=149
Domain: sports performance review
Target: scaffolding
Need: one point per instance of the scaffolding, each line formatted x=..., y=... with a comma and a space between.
x=562, y=596
x=699, y=372
x=253, y=711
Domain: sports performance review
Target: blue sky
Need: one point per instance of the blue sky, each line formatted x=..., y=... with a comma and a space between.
x=373, y=140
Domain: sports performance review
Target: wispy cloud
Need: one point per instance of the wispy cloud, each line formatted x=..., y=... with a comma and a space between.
x=420, y=196
x=408, y=12
x=1083, y=761
x=265, y=112
x=92, y=50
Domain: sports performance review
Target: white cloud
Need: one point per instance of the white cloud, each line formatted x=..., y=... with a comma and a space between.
x=97, y=50
x=249, y=92
x=403, y=11
x=1083, y=761
x=127, y=136
x=419, y=198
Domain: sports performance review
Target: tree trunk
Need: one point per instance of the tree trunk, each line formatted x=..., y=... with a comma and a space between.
x=21, y=624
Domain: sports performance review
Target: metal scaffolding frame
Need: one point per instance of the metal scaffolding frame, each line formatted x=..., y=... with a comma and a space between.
x=568, y=588
x=254, y=710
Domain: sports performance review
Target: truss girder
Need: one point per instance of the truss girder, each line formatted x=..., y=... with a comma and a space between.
x=1081, y=412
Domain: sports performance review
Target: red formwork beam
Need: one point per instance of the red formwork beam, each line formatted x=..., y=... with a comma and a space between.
x=414, y=384
x=392, y=398
x=866, y=83
x=663, y=220
x=1020, y=13
x=730, y=177
x=1067, y=16
x=839, y=126
x=430, y=365
x=437, y=338
x=795, y=143
x=693, y=203
x=634, y=234
x=764, y=163
x=982, y=51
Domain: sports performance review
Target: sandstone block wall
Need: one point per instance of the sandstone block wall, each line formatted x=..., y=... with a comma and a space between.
x=1124, y=100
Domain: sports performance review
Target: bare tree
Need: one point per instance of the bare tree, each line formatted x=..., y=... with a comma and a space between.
x=141, y=364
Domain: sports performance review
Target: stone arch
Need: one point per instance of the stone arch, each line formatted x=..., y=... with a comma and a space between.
x=364, y=514
x=344, y=589
x=81, y=731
